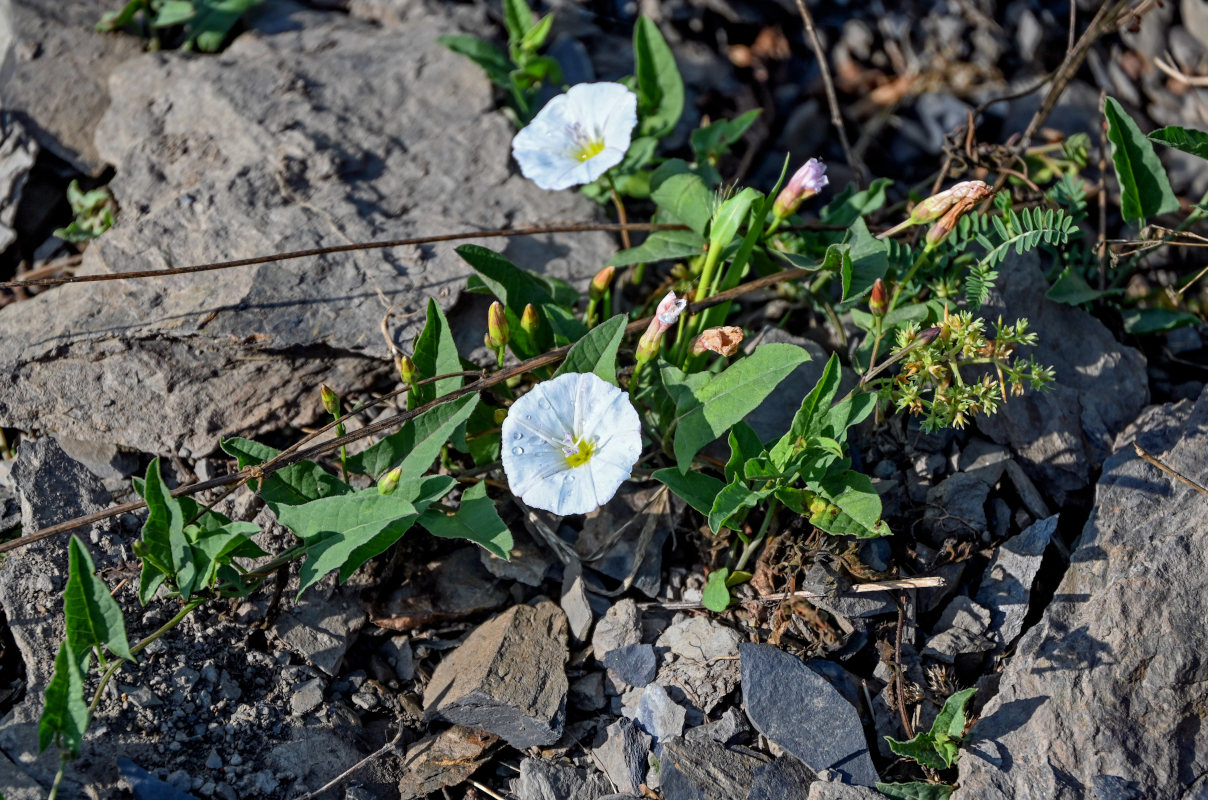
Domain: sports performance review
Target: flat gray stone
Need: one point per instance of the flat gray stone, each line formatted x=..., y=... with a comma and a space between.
x=574, y=602
x=544, y=780
x=322, y=626
x=633, y=664
x=800, y=711
x=443, y=760
x=705, y=771
x=961, y=630
x=956, y=508
x=621, y=625
x=307, y=697
x=622, y=750
x=833, y=790
x=1062, y=436
x=983, y=460
x=786, y=778
x=18, y=151
x=728, y=729
x=1105, y=693
x=658, y=715
x=278, y=144
x=701, y=660
x=1007, y=583
x=508, y=677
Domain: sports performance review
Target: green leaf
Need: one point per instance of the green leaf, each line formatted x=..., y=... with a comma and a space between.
x=808, y=420
x=342, y=533
x=852, y=203
x=64, y=713
x=1145, y=190
x=1139, y=321
x=918, y=790
x=92, y=616
x=493, y=61
x=173, y=12
x=537, y=34
x=214, y=547
x=921, y=749
x=477, y=520
x=731, y=395
x=1189, y=140
x=418, y=442
x=213, y=21
x=950, y=722
x=1072, y=289
x=435, y=354
x=868, y=259
x=597, y=351
x=717, y=594
x=695, y=488
x=163, y=542
x=745, y=446
x=661, y=246
x=294, y=485
x=730, y=502
x=517, y=19
x=685, y=197
x=714, y=140
x=732, y=214
x=514, y=286
x=564, y=325
x=859, y=506
x=112, y=20
x=660, y=87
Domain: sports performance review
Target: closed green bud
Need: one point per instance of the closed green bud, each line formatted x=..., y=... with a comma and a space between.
x=529, y=321
x=497, y=327
x=331, y=400
x=389, y=482
x=601, y=283
x=406, y=369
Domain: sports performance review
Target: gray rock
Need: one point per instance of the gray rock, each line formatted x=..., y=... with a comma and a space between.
x=705, y=771
x=1007, y=583
x=113, y=466
x=700, y=660
x=624, y=538
x=834, y=790
x=446, y=759
x=574, y=602
x=957, y=508
x=290, y=149
x=398, y=653
x=544, y=780
x=322, y=626
x=621, y=749
x=1032, y=499
x=801, y=712
x=213, y=760
x=658, y=715
x=314, y=754
x=999, y=518
x=145, y=786
x=306, y=697
x=960, y=630
x=587, y=692
x=728, y=729
x=7, y=37
x=1063, y=435
x=1107, y=687
x=786, y=778
x=455, y=587
x=18, y=785
x=508, y=677
x=528, y=563
x=633, y=664
x=621, y=625
x=17, y=155
x=983, y=460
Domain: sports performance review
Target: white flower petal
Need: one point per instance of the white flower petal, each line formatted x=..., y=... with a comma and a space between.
x=567, y=411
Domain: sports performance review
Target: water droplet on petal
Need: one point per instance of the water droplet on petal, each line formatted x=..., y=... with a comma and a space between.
x=543, y=403
x=529, y=417
x=517, y=436
x=570, y=478
x=518, y=451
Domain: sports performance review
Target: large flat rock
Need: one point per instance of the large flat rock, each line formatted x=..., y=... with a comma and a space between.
x=1105, y=695
x=313, y=129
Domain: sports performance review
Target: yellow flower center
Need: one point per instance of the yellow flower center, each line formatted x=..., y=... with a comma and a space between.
x=579, y=453
x=589, y=150
x=585, y=146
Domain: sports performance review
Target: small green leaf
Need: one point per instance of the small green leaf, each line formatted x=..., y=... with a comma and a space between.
x=695, y=488
x=918, y=790
x=717, y=595
x=859, y=506
x=93, y=617
x=597, y=351
x=1139, y=321
x=809, y=419
x=745, y=446
x=537, y=34
x=173, y=12
x=738, y=577
x=518, y=19
x=727, y=398
x=418, y=442
x=213, y=21
x=1189, y=140
x=493, y=61
x=1145, y=190
x=661, y=246
x=435, y=354
x=514, y=286
x=477, y=520
x=950, y=722
x=685, y=197
x=731, y=216
x=714, y=140
x=853, y=203
x=730, y=502
x=868, y=259
x=660, y=87
x=294, y=485
x=1072, y=289
x=564, y=325
x=163, y=540
x=64, y=712
x=921, y=749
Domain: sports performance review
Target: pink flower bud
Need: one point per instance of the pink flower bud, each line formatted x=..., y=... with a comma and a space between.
x=601, y=283
x=665, y=316
x=805, y=183
x=878, y=302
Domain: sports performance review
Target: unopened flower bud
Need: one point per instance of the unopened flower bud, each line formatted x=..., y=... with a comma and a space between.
x=529, y=322
x=878, y=302
x=497, y=327
x=805, y=183
x=406, y=369
x=389, y=482
x=964, y=195
x=331, y=400
x=665, y=316
x=601, y=283
x=723, y=341
x=924, y=338
x=944, y=227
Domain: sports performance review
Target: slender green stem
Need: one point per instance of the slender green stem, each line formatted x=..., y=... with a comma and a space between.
x=704, y=288
x=54, y=787
x=772, y=227
x=924, y=257
x=589, y=318
x=138, y=648
x=750, y=547
x=878, y=323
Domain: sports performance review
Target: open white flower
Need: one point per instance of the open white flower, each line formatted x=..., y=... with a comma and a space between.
x=570, y=443
x=578, y=136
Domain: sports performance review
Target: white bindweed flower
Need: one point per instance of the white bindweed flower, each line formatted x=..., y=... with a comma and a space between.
x=570, y=443
x=578, y=136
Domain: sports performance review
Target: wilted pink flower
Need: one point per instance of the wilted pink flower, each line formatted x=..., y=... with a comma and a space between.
x=805, y=183
x=723, y=340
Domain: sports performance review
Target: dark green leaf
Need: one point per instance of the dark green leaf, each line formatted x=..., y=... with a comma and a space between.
x=717, y=595
x=64, y=712
x=660, y=87
x=418, y=442
x=435, y=354
x=745, y=446
x=729, y=504
x=93, y=617
x=725, y=399
x=853, y=203
x=513, y=286
x=918, y=790
x=1072, y=289
x=950, y=722
x=695, y=488
x=476, y=520
x=921, y=749
x=685, y=197
x=1189, y=140
x=1145, y=190
x=564, y=325
x=296, y=484
x=597, y=351
x=868, y=260
x=809, y=419
x=1139, y=321
x=493, y=61
x=214, y=19
x=163, y=539
x=714, y=140
x=661, y=246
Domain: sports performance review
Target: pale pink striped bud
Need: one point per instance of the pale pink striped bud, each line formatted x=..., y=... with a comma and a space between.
x=665, y=316
x=805, y=183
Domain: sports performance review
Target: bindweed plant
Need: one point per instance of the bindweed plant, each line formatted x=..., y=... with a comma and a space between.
x=187, y=24
x=938, y=748
x=92, y=211
x=642, y=375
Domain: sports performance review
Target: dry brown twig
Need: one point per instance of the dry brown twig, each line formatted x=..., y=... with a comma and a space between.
x=1171, y=471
